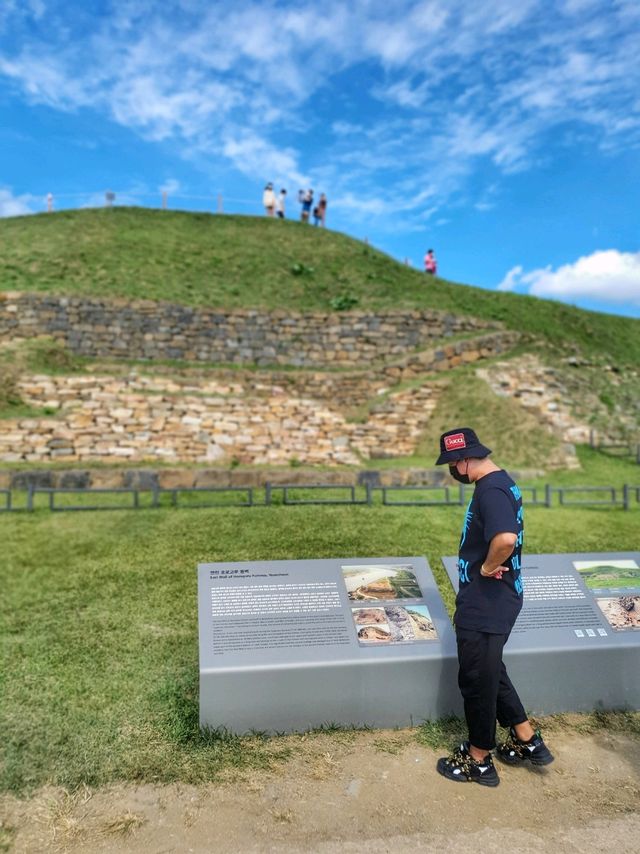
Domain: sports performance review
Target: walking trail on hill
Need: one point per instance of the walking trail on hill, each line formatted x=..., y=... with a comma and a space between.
x=354, y=792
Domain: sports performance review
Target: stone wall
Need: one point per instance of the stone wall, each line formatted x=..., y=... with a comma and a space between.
x=351, y=389
x=110, y=419
x=101, y=328
x=266, y=417
x=539, y=389
x=218, y=476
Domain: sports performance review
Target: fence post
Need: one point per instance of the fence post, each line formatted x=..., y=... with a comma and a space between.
x=638, y=454
x=592, y=438
x=220, y=205
x=625, y=496
x=547, y=495
x=30, y=491
x=267, y=492
x=369, y=493
x=49, y=202
x=164, y=200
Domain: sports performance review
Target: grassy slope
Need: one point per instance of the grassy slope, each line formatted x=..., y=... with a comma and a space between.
x=99, y=674
x=99, y=677
x=205, y=259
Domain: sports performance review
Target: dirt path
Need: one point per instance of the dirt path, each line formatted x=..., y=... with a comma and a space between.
x=364, y=792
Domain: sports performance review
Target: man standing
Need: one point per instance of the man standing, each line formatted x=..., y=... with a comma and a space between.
x=306, y=200
x=322, y=209
x=281, y=202
x=269, y=200
x=488, y=602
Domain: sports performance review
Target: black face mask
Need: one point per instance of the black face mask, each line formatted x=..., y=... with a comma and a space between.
x=455, y=474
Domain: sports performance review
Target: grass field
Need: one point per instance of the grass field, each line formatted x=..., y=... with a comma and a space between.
x=239, y=261
x=99, y=634
x=99, y=676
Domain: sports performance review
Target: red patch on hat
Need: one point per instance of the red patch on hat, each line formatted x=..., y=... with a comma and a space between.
x=454, y=442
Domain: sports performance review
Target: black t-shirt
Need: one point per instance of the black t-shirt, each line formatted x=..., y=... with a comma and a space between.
x=489, y=604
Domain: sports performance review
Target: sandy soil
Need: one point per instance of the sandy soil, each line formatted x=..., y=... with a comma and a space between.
x=374, y=791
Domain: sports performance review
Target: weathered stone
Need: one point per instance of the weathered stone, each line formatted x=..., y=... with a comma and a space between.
x=140, y=479
x=176, y=478
x=73, y=480
x=212, y=477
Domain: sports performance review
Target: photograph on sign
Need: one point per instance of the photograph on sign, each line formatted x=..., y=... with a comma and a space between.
x=394, y=624
x=380, y=583
x=377, y=633
x=423, y=626
x=621, y=612
x=369, y=616
x=600, y=574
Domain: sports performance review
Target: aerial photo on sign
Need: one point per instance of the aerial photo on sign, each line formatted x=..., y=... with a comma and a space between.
x=599, y=574
x=380, y=582
x=607, y=576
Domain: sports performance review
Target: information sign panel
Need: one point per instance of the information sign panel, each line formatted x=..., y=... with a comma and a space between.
x=576, y=643
x=290, y=645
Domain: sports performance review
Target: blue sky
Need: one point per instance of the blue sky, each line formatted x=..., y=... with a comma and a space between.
x=503, y=133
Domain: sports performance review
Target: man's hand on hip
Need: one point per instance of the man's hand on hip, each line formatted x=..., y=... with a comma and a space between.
x=495, y=573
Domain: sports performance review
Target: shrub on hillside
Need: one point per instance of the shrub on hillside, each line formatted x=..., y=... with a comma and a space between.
x=343, y=302
x=9, y=393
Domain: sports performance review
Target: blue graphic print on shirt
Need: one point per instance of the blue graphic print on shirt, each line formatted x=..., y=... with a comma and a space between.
x=463, y=571
x=468, y=516
x=484, y=604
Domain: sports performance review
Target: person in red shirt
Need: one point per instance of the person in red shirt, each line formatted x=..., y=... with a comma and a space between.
x=430, y=263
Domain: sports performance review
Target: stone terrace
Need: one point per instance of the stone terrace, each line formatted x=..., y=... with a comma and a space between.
x=102, y=418
x=101, y=328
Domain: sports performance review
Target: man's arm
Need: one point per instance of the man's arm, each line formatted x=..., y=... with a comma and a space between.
x=500, y=549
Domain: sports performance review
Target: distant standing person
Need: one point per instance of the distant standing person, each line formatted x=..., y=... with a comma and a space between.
x=306, y=200
x=316, y=216
x=430, y=263
x=269, y=200
x=280, y=203
x=322, y=208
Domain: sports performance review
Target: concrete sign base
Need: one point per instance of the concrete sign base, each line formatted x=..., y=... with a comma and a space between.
x=575, y=646
x=286, y=646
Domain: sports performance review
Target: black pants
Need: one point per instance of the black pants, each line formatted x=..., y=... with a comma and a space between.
x=485, y=687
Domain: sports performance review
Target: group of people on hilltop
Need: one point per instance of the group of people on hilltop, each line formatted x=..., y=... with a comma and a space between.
x=275, y=205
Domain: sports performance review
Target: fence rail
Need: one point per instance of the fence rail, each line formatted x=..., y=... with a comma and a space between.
x=59, y=500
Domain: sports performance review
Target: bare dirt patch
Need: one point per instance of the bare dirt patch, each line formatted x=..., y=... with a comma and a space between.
x=353, y=792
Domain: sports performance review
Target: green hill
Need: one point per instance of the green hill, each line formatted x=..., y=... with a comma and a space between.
x=232, y=261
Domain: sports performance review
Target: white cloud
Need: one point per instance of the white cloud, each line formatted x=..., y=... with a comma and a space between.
x=476, y=83
x=607, y=276
x=170, y=186
x=11, y=205
x=253, y=155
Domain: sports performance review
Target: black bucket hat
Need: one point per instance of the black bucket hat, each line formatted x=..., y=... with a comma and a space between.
x=459, y=444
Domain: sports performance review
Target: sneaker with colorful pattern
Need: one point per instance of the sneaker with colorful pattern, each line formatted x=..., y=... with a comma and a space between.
x=513, y=751
x=463, y=768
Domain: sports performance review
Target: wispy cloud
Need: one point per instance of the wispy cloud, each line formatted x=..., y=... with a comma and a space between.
x=11, y=205
x=430, y=88
x=606, y=276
